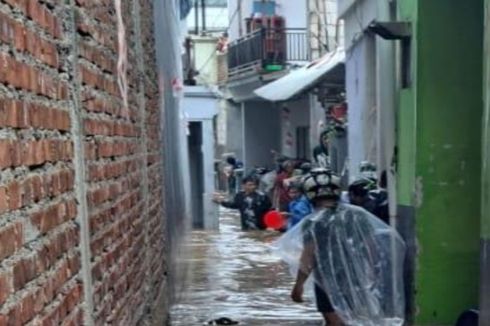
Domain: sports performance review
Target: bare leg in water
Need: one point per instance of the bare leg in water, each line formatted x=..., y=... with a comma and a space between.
x=332, y=319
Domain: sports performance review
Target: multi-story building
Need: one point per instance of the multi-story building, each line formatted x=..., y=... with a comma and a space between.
x=269, y=41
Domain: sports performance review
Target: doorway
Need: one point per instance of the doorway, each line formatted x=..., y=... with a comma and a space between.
x=196, y=166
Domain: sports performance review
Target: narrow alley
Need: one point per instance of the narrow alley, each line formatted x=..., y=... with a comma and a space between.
x=234, y=275
x=153, y=151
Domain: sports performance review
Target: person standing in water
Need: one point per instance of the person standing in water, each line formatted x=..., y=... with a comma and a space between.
x=299, y=206
x=251, y=203
x=355, y=259
x=321, y=152
x=323, y=191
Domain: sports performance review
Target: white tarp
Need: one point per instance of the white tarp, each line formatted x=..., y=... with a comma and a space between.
x=301, y=79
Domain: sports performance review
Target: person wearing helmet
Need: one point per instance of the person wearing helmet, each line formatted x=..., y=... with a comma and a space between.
x=359, y=192
x=322, y=188
x=364, y=193
x=368, y=170
x=305, y=168
x=345, y=249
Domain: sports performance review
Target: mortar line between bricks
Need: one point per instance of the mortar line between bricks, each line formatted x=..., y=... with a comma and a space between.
x=141, y=98
x=80, y=178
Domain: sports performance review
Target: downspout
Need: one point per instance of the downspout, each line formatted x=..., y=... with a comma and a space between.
x=203, y=5
x=196, y=17
x=244, y=136
x=308, y=28
x=485, y=191
x=240, y=18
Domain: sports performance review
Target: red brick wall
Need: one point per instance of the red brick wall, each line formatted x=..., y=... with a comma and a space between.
x=52, y=99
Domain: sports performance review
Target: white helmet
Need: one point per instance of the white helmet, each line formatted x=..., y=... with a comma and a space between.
x=368, y=170
x=321, y=183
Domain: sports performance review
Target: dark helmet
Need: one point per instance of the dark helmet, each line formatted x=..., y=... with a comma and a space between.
x=362, y=186
x=231, y=160
x=306, y=167
x=321, y=183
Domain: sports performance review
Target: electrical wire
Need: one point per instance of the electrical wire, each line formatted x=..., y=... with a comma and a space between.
x=213, y=54
x=323, y=22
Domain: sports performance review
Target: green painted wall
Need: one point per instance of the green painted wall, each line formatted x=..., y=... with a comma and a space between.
x=407, y=11
x=440, y=154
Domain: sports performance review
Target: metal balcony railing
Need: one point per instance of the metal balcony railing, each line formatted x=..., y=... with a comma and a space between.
x=269, y=49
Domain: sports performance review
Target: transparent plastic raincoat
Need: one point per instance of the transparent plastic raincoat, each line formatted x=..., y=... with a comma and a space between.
x=356, y=259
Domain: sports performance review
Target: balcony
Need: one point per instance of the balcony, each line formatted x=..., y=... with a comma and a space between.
x=267, y=50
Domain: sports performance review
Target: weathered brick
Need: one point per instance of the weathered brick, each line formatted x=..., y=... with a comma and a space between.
x=14, y=194
x=21, y=4
x=26, y=308
x=4, y=205
x=38, y=160
x=24, y=271
x=11, y=239
x=57, y=214
x=5, y=287
x=41, y=15
x=75, y=318
x=54, y=247
x=5, y=153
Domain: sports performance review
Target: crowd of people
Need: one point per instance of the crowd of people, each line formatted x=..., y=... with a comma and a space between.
x=308, y=192
x=282, y=189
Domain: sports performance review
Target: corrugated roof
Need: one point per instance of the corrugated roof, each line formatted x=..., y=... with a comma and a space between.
x=303, y=79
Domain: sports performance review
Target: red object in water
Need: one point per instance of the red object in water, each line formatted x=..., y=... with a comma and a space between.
x=274, y=220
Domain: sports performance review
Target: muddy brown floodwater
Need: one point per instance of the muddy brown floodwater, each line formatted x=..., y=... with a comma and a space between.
x=233, y=274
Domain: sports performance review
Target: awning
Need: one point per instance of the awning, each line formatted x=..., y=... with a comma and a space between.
x=328, y=69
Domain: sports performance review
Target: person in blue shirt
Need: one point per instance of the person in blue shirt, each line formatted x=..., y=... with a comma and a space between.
x=299, y=206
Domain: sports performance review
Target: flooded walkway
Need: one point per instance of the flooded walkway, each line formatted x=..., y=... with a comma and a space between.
x=233, y=275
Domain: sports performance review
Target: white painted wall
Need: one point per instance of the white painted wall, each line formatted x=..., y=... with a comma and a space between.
x=371, y=116
x=295, y=12
x=332, y=21
x=361, y=98
x=262, y=133
x=200, y=105
x=299, y=116
x=211, y=220
x=221, y=123
x=206, y=61
x=234, y=130
x=359, y=15
x=317, y=121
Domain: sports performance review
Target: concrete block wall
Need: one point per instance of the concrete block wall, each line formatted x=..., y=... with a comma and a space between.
x=81, y=216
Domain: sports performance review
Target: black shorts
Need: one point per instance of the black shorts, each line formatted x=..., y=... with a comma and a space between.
x=322, y=301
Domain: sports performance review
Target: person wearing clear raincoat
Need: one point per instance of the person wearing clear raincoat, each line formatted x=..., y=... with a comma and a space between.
x=356, y=259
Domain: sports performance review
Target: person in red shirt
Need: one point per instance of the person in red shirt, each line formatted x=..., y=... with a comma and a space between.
x=281, y=196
